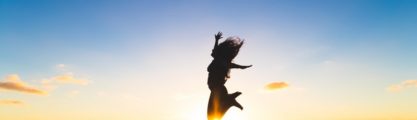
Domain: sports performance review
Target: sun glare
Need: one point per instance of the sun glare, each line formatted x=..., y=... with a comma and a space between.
x=200, y=114
x=233, y=114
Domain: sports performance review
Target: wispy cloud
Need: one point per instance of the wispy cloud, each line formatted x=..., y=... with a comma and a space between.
x=276, y=86
x=61, y=66
x=12, y=82
x=65, y=77
x=401, y=86
x=10, y=102
x=69, y=78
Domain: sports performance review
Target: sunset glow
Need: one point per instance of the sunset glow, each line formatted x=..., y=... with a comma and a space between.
x=147, y=60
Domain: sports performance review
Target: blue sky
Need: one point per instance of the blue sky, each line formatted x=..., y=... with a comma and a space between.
x=336, y=52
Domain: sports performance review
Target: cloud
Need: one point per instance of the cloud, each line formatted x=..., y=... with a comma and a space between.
x=67, y=78
x=64, y=77
x=276, y=86
x=61, y=66
x=13, y=83
x=11, y=102
x=401, y=86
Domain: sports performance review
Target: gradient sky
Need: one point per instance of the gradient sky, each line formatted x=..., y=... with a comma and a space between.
x=146, y=60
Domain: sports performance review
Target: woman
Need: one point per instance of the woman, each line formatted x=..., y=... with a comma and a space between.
x=223, y=54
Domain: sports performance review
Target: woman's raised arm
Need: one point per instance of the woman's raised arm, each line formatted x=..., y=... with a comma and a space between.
x=217, y=36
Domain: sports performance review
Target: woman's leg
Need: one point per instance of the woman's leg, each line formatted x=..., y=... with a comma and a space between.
x=217, y=102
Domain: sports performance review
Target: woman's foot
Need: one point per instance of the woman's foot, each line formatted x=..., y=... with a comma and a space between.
x=233, y=100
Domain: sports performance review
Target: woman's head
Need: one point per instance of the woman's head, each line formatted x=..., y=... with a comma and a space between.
x=229, y=48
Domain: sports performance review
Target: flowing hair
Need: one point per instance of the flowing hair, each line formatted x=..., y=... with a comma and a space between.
x=229, y=48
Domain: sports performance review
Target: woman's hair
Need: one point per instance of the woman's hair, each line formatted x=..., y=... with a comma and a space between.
x=227, y=51
x=229, y=48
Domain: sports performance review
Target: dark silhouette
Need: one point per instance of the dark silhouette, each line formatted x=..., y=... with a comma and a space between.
x=223, y=54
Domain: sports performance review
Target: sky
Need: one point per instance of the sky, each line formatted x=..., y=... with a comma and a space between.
x=146, y=60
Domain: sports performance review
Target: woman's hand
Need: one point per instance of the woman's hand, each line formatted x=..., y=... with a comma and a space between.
x=244, y=67
x=218, y=36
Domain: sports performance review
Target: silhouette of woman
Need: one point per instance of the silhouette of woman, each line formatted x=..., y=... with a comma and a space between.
x=223, y=54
